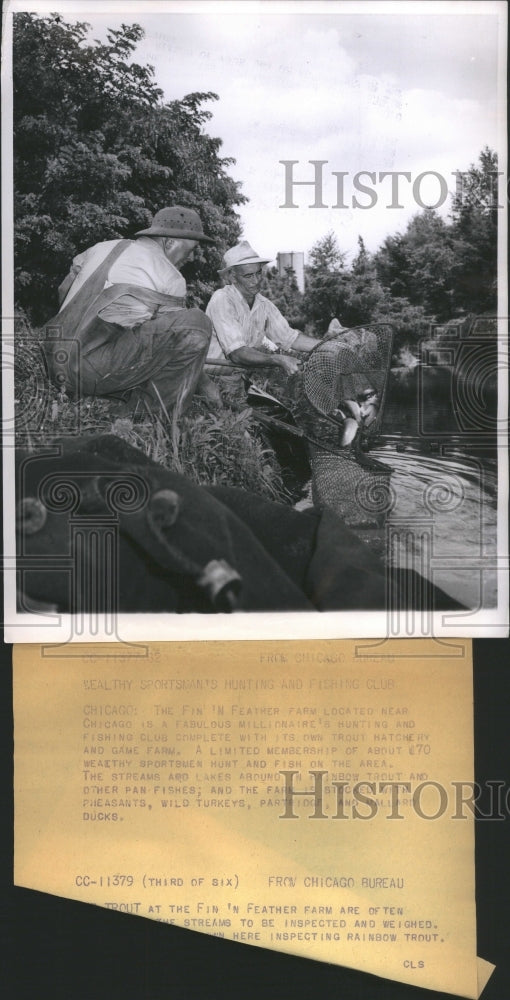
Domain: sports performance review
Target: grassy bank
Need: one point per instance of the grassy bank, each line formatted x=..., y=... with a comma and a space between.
x=225, y=447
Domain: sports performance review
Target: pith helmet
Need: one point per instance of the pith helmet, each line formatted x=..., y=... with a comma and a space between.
x=181, y=223
x=242, y=253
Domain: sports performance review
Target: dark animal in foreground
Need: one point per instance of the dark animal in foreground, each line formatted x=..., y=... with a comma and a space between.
x=102, y=528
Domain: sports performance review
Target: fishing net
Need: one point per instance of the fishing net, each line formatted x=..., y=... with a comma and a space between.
x=353, y=367
x=359, y=495
x=343, y=369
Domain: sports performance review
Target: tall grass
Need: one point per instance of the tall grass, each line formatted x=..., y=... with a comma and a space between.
x=224, y=447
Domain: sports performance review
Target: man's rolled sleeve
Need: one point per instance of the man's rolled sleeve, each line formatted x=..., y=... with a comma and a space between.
x=227, y=324
x=278, y=328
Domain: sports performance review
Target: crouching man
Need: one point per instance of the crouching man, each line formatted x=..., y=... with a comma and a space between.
x=123, y=330
x=247, y=325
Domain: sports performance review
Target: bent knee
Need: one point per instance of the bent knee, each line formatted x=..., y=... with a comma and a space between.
x=199, y=329
x=199, y=321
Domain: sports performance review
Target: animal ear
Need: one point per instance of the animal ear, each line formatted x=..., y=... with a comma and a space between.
x=31, y=516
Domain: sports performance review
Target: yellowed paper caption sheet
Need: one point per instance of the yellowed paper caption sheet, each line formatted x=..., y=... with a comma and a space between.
x=305, y=797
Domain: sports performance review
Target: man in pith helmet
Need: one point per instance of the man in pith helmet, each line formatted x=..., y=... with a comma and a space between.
x=247, y=326
x=123, y=329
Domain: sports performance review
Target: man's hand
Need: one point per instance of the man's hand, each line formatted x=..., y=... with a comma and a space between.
x=289, y=365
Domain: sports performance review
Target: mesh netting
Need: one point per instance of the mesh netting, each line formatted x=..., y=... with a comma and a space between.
x=343, y=369
x=359, y=495
x=347, y=368
x=338, y=370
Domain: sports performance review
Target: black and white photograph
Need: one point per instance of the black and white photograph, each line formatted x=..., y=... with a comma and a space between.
x=254, y=321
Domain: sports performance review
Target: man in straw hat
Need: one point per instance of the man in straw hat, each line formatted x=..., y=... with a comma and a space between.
x=123, y=329
x=247, y=325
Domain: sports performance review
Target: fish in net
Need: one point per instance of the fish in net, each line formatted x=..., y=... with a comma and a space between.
x=344, y=383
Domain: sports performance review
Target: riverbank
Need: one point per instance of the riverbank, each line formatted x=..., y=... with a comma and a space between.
x=224, y=447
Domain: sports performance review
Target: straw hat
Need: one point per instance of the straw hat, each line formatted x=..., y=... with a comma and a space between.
x=242, y=253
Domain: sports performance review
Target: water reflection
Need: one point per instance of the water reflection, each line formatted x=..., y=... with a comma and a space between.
x=444, y=521
x=438, y=435
x=444, y=480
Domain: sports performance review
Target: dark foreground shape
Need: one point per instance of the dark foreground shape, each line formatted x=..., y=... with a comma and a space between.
x=337, y=571
x=102, y=528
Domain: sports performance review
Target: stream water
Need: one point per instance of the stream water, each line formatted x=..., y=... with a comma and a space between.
x=444, y=482
x=438, y=437
x=443, y=522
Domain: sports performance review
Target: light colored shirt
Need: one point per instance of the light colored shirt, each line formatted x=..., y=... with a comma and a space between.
x=235, y=325
x=142, y=263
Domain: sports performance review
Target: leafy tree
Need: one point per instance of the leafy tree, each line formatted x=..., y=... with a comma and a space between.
x=478, y=187
x=284, y=292
x=365, y=293
x=421, y=264
x=357, y=296
x=326, y=282
x=393, y=265
x=97, y=152
x=449, y=266
x=409, y=323
x=475, y=232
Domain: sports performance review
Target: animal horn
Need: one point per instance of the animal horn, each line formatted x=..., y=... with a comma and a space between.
x=31, y=515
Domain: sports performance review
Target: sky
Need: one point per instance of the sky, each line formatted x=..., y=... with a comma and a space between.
x=365, y=87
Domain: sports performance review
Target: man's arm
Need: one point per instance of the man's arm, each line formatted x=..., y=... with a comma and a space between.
x=250, y=357
x=253, y=358
x=304, y=343
x=278, y=329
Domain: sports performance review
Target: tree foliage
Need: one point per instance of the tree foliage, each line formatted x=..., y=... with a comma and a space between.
x=283, y=290
x=365, y=294
x=356, y=295
x=421, y=264
x=97, y=152
x=326, y=283
x=436, y=270
x=475, y=226
x=449, y=267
